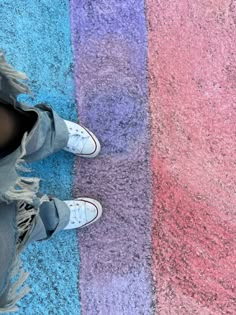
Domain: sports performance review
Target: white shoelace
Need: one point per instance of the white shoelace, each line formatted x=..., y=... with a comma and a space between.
x=77, y=142
x=79, y=214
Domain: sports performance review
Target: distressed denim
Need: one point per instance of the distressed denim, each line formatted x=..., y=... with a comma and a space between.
x=25, y=214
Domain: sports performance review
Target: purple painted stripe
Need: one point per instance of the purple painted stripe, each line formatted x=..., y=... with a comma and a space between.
x=109, y=40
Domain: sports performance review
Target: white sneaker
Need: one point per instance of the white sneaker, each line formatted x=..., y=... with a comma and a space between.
x=81, y=141
x=83, y=211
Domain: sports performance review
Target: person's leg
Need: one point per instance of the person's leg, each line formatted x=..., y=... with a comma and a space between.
x=26, y=218
x=52, y=133
x=48, y=135
x=22, y=224
x=7, y=250
x=53, y=217
x=37, y=222
x=47, y=132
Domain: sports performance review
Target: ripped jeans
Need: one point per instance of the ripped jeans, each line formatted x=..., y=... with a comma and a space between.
x=23, y=218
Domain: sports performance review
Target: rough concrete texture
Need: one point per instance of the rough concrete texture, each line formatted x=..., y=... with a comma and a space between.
x=109, y=41
x=166, y=242
x=192, y=72
x=36, y=39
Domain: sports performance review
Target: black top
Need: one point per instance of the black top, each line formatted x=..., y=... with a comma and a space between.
x=23, y=122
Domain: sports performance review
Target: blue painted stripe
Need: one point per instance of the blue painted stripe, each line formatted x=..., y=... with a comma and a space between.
x=36, y=38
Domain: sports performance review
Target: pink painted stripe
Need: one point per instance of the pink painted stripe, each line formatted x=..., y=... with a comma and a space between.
x=192, y=71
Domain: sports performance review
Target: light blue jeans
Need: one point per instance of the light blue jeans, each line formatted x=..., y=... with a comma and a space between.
x=22, y=222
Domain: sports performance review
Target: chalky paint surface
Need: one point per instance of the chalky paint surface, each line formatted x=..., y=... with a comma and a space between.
x=109, y=41
x=192, y=64
x=36, y=39
x=191, y=78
